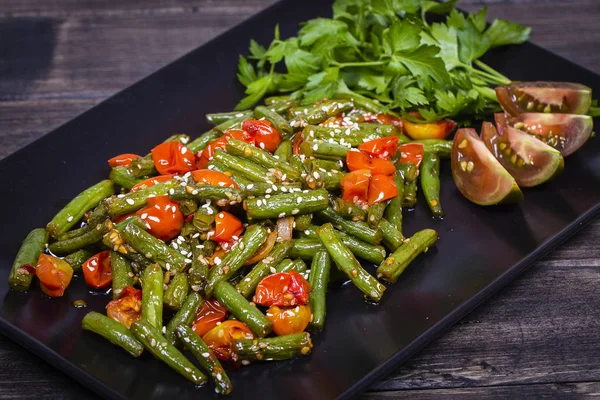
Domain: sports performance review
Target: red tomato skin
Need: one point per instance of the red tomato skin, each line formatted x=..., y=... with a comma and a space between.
x=209, y=315
x=219, y=143
x=213, y=178
x=54, y=274
x=220, y=338
x=151, y=182
x=381, y=188
x=355, y=186
x=164, y=217
x=127, y=308
x=282, y=289
x=227, y=227
x=356, y=160
x=173, y=158
x=412, y=153
x=122, y=160
x=385, y=147
x=96, y=270
x=289, y=320
x=265, y=135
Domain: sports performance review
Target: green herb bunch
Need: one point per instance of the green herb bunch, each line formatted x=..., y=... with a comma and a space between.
x=388, y=51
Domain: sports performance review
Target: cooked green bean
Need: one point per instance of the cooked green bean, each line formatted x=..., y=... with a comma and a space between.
x=248, y=285
x=430, y=182
x=113, y=331
x=130, y=202
x=273, y=349
x=319, y=279
x=177, y=291
x=185, y=316
x=283, y=205
x=20, y=275
x=262, y=158
x=122, y=177
x=274, y=118
x=348, y=210
x=375, y=214
x=152, y=295
x=392, y=238
x=121, y=273
x=246, y=168
x=284, y=150
x=393, y=266
x=90, y=237
x=358, y=229
x=393, y=212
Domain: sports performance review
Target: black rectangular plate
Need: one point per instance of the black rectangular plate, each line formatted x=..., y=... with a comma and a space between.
x=480, y=249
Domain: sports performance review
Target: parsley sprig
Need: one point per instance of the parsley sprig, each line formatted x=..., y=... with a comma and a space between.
x=389, y=51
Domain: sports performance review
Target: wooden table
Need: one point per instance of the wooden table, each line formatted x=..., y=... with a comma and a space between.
x=540, y=336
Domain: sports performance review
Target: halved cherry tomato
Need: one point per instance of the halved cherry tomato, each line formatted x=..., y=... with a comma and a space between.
x=173, y=158
x=384, y=119
x=430, y=130
x=282, y=289
x=385, y=147
x=54, y=275
x=412, y=153
x=220, y=338
x=358, y=160
x=298, y=139
x=207, y=154
x=381, y=188
x=226, y=227
x=355, y=186
x=209, y=315
x=164, y=217
x=214, y=178
x=265, y=135
x=151, y=182
x=289, y=320
x=127, y=308
x=96, y=270
x=122, y=160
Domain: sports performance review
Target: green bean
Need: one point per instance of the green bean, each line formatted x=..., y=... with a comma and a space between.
x=200, y=193
x=121, y=176
x=234, y=123
x=198, y=272
x=323, y=165
x=329, y=180
x=177, y=291
x=302, y=222
x=345, y=261
x=275, y=348
x=307, y=248
x=409, y=171
x=430, y=183
x=393, y=266
x=364, y=103
x=241, y=308
x=160, y=348
x=247, y=286
x=20, y=276
x=113, y=331
x=220, y=118
x=358, y=229
x=326, y=150
x=76, y=208
x=271, y=100
x=152, y=296
x=443, y=148
x=143, y=166
x=99, y=215
x=188, y=206
x=410, y=194
x=206, y=358
x=392, y=238
x=133, y=201
x=283, y=205
x=348, y=210
x=393, y=212
x=278, y=122
x=296, y=265
x=203, y=140
x=296, y=162
x=121, y=273
x=375, y=214
x=154, y=249
x=284, y=266
x=263, y=158
x=93, y=236
x=314, y=115
x=204, y=217
x=245, y=168
x=77, y=258
x=284, y=150
x=184, y=317
x=262, y=189
x=319, y=279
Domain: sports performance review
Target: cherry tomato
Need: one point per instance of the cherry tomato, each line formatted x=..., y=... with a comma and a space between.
x=127, y=308
x=384, y=119
x=210, y=313
x=54, y=275
x=412, y=153
x=96, y=270
x=151, y=182
x=355, y=186
x=381, y=188
x=214, y=178
x=173, y=158
x=164, y=217
x=358, y=160
x=207, y=154
x=220, y=338
x=431, y=130
x=122, y=218
x=226, y=227
x=289, y=320
x=122, y=160
x=385, y=147
x=298, y=139
x=282, y=289
x=265, y=135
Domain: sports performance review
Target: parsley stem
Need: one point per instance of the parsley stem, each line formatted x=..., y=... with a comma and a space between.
x=491, y=70
x=359, y=63
x=489, y=77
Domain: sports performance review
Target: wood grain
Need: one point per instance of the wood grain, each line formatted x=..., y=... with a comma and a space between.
x=537, y=338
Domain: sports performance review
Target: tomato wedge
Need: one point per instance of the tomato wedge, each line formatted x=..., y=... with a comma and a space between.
x=385, y=147
x=289, y=320
x=213, y=178
x=122, y=160
x=227, y=227
x=430, y=130
x=54, y=275
x=412, y=153
x=264, y=134
x=209, y=315
x=173, y=158
x=151, y=182
x=127, y=308
x=282, y=289
x=220, y=338
x=355, y=186
x=164, y=217
x=381, y=188
x=356, y=160
x=207, y=154
x=97, y=271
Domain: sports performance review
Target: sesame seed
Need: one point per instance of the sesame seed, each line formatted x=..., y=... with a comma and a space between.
x=281, y=215
x=130, y=201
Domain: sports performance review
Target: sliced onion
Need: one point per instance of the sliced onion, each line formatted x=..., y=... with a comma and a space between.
x=285, y=228
x=263, y=250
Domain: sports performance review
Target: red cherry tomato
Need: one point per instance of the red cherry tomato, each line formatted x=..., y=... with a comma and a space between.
x=412, y=153
x=209, y=151
x=220, y=338
x=164, y=217
x=282, y=289
x=127, y=308
x=355, y=186
x=381, y=188
x=214, y=178
x=384, y=119
x=210, y=313
x=265, y=135
x=151, y=182
x=173, y=158
x=385, y=147
x=226, y=227
x=358, y=160
x=54, y=275
x=97, y=271
x=289, y=320
x=122, y=160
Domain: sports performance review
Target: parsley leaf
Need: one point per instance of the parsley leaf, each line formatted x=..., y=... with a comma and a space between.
x=255, y=91
x=246, y=73
x=502, y=33
x=423, y=63
x=472, y=43
x=322, y=85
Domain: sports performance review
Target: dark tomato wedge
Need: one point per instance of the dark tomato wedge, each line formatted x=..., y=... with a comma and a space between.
x=220, y=338
x=544, y=97
x=173, y=158
x=412, y=153
x=356, y=160
x=265, y=135
x=54, y=274
x=527, y=159
x=209, y=315
x=477, y=174
x=122, y=160
x=227, y=227
x=127, y=308
x=385, y=147
x=213, y=178
x=151, y=182
x=97, y=271
x=163, y=216
x=282, y=289
x=381, y=188
x=289, y=320
x=355, y=186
